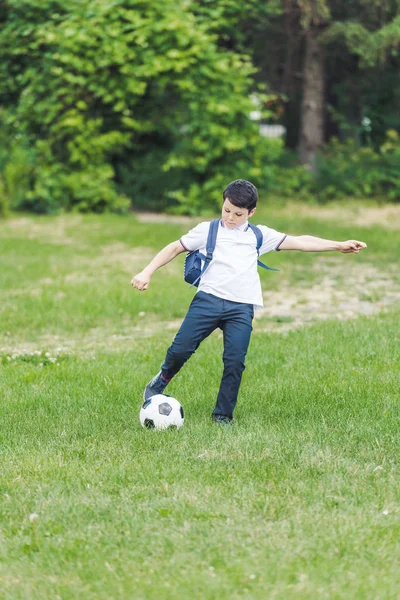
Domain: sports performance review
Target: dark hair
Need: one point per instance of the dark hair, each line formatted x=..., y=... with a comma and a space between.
x=242, y=194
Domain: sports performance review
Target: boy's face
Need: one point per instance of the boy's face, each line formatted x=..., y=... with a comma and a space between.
x=233, y=216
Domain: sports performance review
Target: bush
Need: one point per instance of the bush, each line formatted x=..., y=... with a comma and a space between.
x=256, y=161
x=141, y=177
x=290, y=179
x=19, y=173
x=344, y=169
x=390, y=153
x=4, y=204
x=16, y=162
x=97, y=86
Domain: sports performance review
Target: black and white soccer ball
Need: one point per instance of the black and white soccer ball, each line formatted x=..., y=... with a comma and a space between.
x=160, y=412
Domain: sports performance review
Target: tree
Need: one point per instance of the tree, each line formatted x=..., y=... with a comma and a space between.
x=277, y=35
x=314, y=17
x=321, y=57
x=364, y=69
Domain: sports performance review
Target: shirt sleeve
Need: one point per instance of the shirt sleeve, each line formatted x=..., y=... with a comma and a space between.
x=196, y=238
x=272, y=239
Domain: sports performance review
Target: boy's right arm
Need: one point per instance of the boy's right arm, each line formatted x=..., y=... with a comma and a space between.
x=141, y=280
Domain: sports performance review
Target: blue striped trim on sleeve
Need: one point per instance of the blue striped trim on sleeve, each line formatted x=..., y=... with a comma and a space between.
x=281, y=242
x=187, y=249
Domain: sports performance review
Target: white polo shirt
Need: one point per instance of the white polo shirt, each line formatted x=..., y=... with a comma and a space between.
x=232, y=273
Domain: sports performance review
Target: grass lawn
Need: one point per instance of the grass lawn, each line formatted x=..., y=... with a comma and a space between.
x=299, y=499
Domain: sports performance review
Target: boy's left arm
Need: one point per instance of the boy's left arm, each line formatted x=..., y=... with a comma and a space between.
x=309, y=243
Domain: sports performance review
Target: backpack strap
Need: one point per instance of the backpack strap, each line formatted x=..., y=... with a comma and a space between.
x=210, y=247
x=259, y=237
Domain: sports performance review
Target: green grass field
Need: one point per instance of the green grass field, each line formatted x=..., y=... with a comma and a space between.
x=300, y=499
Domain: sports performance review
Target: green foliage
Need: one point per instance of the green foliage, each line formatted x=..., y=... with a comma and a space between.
x=289, y=178
x=95, y=85
x=293, y=182
x=362, y=66
x=4, y=202
x=344, y=170
x=371, y=47
x=109, y=103
x=17, y=163
x=390, y=153
x=348, y=170
x=19, y=172
x=313, y=12
x=255, y=161
x=236, y=22
x=141, y=177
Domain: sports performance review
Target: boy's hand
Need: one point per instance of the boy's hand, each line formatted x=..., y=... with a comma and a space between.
x=351, y=246
x=141, y=281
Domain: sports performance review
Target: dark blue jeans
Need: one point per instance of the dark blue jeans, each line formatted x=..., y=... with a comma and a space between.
x=206, y=313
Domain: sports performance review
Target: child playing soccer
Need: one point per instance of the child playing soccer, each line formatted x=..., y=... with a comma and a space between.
x=228, y=292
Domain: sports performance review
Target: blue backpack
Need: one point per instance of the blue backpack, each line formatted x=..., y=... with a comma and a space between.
x=192, y=271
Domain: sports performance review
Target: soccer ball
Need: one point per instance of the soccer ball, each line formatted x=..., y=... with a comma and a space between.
x=160, y=412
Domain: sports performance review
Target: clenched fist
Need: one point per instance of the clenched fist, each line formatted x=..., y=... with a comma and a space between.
x=351, y=246
x=141, y=281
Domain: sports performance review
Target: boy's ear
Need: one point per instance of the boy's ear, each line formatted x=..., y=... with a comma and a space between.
x=251, y=212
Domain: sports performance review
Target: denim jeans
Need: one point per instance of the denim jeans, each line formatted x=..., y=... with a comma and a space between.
x=206, y=313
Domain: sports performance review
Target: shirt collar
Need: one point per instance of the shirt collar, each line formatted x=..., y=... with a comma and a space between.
x=243, y=227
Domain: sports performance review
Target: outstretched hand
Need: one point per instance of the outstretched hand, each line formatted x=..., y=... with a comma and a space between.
x=141, y=281
x=351, y=246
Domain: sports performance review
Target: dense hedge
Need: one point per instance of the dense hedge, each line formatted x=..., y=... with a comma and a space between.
x=113, y=102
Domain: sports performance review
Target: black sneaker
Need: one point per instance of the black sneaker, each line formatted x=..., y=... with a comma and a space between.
x=156, y=386
x=222, y=420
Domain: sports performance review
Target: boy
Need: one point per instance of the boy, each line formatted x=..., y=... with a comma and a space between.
x=228, y=291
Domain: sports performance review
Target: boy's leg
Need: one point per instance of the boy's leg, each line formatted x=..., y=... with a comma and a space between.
x=202, y=318
x=237, y=328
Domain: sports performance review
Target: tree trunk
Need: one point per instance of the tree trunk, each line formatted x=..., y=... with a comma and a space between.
x=312, y=107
